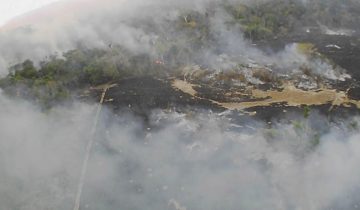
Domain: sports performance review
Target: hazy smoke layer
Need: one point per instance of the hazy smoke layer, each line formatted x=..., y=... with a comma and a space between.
x=199, y=161
x=181, y=162
x=147, y=27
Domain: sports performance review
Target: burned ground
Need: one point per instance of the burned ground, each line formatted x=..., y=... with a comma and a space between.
x=145, y=93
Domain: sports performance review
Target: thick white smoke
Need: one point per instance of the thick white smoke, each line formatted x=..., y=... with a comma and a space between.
x=140, y=26
x=189, y=162
x=194, y=162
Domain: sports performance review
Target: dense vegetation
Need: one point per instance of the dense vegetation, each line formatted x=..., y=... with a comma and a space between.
x=262, y=21
x=280, y=17
x=57, y=79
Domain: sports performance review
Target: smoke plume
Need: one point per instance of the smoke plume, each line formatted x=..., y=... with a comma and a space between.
x=148, y=27
x=174, y=161
x=198, y=162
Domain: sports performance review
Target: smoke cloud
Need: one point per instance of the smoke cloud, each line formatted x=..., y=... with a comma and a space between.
x=179, y=162
x=143, y=27
x=175, y=161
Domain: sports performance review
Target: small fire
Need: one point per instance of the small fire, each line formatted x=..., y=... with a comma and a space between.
x=159, y=62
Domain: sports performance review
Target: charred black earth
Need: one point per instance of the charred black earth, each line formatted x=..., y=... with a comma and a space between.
x=142, y=94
